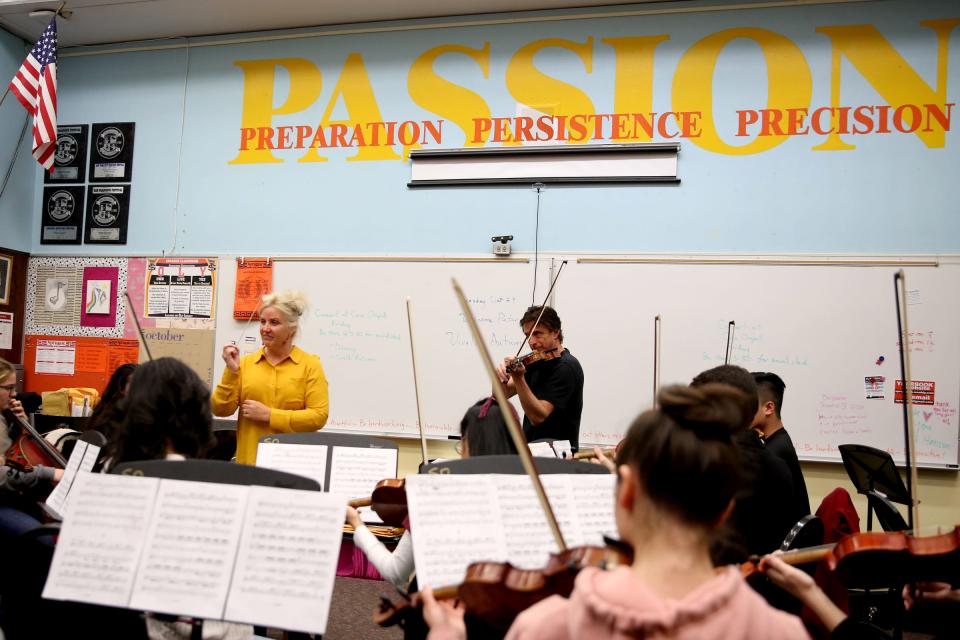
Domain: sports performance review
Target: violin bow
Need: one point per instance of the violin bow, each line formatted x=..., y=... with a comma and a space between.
x=416, y=384
x=900, y=294
x=731, y=329
x=519, y=441
x=656, y=358
x=136, y=321
x=543, y=307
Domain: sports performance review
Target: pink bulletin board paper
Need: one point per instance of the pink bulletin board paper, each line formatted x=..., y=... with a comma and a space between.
x=136, y=282
x=100, y=320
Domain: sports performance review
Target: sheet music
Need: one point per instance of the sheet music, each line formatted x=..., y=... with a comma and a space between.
x=527, y=536
x=355, y=471
x=287, y=559
x=541, y=450
x=456, y=521
x=593, y=499
x=309, y=460
x=99, y=547
x=563, y=449
x=83, y=457
x=190, y=547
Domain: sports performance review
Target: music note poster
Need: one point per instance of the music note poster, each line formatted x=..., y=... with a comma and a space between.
x=57, y=295
x=100, y=302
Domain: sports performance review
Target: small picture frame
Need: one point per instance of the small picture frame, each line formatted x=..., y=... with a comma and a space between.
x=6, y=271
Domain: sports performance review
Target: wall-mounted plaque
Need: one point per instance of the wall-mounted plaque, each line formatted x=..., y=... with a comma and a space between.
x=107, y=214
x=111, y=152
x=62, y=216
x=70, y=157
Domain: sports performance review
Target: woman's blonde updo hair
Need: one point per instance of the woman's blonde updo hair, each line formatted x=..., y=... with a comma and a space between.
x=291, y=305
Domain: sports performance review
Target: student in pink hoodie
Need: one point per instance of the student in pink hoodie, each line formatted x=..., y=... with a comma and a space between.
x=678, y=473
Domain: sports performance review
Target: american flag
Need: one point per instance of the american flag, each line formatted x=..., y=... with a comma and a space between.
x=35, y=86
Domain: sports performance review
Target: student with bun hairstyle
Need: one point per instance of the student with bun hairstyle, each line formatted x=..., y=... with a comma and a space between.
x=678, y=473
x=278, y=389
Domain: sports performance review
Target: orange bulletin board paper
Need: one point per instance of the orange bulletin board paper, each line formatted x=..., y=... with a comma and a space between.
x=254, y=280
x=91, y=358
x=94, y=362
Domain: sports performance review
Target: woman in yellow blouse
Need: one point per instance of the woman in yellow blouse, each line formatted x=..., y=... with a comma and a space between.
x=280, y=388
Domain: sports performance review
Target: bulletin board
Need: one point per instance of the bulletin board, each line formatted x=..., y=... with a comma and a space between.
x=78, y=321
x=54, y=362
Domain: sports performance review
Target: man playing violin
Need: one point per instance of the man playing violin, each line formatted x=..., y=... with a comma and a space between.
x=548, y=382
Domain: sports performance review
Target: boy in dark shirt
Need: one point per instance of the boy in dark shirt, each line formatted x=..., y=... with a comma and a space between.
x=770, y=388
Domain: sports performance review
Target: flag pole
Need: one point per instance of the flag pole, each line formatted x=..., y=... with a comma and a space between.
x=13, y=156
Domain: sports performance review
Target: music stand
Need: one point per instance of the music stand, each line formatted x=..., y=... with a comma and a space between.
x=873, y=470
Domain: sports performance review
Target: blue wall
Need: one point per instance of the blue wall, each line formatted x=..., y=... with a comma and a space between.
x=892, y=194
x=16, y=203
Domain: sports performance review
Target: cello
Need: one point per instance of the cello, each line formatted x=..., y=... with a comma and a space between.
x=29, y=448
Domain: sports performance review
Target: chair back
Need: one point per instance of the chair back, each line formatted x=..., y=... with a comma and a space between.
x=808, y=532
x=887, y=514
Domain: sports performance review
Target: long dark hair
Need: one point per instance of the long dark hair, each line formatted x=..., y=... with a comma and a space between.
x=683, y=452
x=104, y=416
x=168, y=406
x=485, y=430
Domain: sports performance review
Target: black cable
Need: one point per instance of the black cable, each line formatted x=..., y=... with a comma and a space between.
x=536, y=244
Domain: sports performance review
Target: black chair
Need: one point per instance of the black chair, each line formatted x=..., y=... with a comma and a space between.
x=225, y=440
x=511, y=464
x=887, y=514
x=44, y=423
x=215, y=471
x=808, y=532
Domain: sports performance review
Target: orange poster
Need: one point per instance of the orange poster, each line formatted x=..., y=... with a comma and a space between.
x=93, y=361
x=254, y=280
x=122, y=351
x=91, y=358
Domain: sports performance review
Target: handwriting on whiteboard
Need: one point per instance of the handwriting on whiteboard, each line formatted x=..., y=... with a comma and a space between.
x=837, y=414
x=923, y=341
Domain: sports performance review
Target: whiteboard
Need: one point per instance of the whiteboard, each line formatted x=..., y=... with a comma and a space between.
x=357, y=325
x=821, y=328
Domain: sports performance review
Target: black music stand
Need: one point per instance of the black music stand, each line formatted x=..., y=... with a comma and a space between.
x=510, y=464
x=873, y=471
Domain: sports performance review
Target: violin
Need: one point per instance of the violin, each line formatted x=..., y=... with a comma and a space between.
x=534, y=356
x=497, y=592
x=590, y=454
x=30, y=448
x=388, y=500
x=878, y=560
